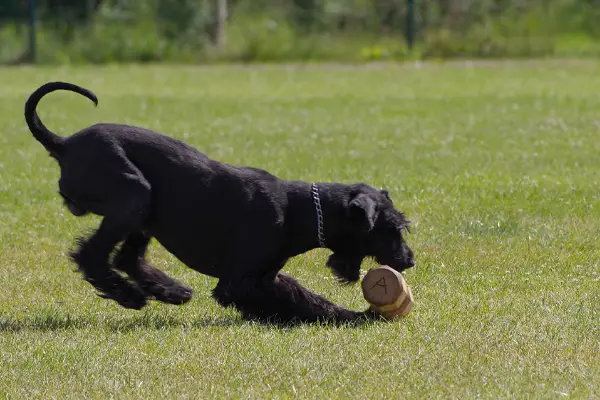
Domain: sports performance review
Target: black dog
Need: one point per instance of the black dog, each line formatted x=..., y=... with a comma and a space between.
x=238, y=224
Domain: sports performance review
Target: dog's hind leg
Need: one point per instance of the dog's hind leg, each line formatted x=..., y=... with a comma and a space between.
x=106, y=183
x=92, y=258
x=280, y=300
x=155, y=283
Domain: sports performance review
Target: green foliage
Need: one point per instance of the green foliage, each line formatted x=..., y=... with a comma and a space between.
x=311, y=30
x=12, y=10
x=534, y=31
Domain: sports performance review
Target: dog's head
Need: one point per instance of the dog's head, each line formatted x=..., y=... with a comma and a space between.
x=373, y=228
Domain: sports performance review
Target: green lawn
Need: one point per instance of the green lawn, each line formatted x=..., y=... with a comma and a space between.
x=497, y=165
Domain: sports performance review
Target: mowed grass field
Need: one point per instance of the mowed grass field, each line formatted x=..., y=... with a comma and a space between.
x=496, y=164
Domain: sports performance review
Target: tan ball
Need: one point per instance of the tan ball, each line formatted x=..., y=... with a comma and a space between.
x=387, y=292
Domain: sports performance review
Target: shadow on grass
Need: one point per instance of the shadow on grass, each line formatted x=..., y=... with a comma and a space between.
x=51, y=323
x=60, y=322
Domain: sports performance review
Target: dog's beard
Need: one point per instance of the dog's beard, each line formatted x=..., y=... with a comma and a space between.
x=346, y=268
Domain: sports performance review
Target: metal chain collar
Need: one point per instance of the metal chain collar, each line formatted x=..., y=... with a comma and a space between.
x=317, y=200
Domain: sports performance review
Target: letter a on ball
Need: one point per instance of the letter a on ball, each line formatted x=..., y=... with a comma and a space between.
x=387, y=292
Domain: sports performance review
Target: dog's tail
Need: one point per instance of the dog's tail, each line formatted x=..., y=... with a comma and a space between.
x=51, y=141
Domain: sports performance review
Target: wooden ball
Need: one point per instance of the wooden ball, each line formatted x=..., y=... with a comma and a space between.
x=387, y=292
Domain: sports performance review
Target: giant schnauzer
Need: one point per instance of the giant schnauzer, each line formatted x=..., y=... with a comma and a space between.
x=238, y=224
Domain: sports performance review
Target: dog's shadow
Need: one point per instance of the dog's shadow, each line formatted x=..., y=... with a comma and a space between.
x=60, y=322
x=63, y=322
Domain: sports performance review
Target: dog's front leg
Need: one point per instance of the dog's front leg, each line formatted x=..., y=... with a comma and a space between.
x=280, y=300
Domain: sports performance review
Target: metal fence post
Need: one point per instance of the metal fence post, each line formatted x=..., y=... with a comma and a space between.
x=32, y=31
x=410, y=24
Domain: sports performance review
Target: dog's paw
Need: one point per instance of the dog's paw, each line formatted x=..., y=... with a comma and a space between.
x=176, y=293
x=134, y=303
x=162, y=287
x=114, y=287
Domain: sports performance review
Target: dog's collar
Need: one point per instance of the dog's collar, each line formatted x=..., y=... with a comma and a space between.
x=317, y=201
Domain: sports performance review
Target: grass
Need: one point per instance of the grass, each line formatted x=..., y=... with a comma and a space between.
x=496, y=164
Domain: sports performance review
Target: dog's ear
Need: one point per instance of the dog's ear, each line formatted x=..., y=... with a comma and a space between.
x=363, y=210
x=387, y=195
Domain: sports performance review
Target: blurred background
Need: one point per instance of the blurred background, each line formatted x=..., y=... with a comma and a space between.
x=203, y=31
